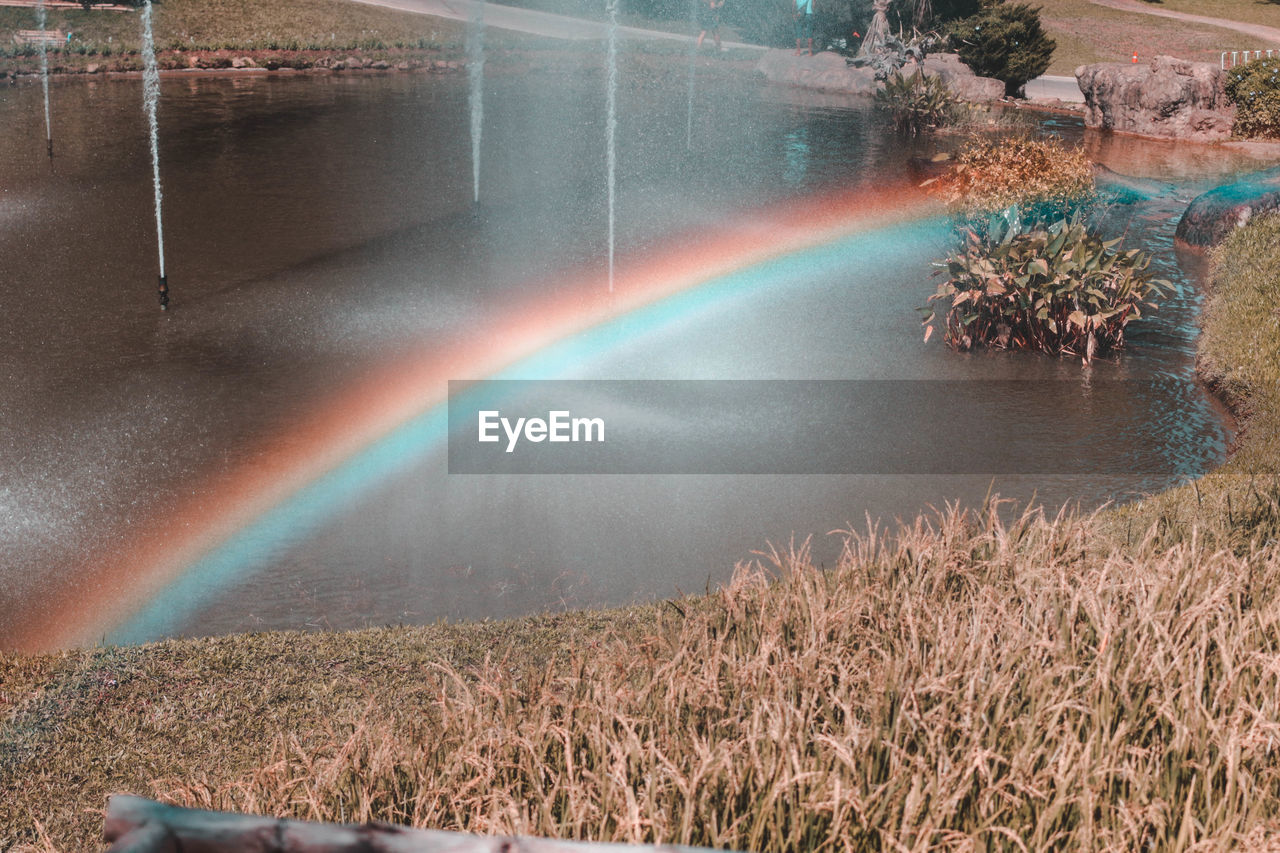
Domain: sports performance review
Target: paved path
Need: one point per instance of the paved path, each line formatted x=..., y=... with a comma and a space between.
x=1258, y=31
x=534, y=22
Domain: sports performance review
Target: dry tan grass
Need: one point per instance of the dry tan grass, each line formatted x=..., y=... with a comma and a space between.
x=991, y=173
x=964, y=683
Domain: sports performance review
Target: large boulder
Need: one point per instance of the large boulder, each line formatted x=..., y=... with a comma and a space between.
x=825, y=71
x=961, y=80
x=829, y=72
x=1214, y=215
x=1168, y=97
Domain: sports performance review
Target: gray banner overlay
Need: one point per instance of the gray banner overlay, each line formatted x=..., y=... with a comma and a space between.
x=884, y=427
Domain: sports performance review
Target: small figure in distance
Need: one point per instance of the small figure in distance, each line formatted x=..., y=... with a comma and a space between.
x=804, y=25
x=709, y=20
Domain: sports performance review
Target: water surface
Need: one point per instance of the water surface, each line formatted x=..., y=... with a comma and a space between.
x=319, y=228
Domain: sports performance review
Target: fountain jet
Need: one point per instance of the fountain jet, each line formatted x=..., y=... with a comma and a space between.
x=150, y=100
x=42, y=23
x=611, y=124
x=475, y=74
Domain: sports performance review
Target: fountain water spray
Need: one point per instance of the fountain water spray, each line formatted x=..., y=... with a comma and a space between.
x=475, y=73
x=41, y=24
x=150, y=99
x=611, y=123
x=693, y=70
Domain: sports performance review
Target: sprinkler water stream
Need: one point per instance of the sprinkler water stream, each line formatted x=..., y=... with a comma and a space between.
x=42, y=22
x=150, y=100
x=611, y=125
x=475, y=73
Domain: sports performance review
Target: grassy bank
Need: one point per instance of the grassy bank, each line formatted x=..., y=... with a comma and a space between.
x=234, y=24
x=1090, y=682
x=1084, y=32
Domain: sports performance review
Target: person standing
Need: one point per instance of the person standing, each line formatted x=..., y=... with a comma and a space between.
x=804, y=25
x=709, y=19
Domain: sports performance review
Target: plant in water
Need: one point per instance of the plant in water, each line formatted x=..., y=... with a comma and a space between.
x=917, y=102
x=1058, y=289
x=1255, y=90
x=889, y=57
x=1043, y=178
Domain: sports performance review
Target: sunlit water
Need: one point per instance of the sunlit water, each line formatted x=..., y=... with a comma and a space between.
x=320, y=225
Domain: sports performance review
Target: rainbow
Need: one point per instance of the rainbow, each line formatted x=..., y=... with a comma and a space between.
x=397, y=412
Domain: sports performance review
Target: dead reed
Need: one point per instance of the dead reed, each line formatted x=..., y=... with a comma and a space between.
x=963, y=684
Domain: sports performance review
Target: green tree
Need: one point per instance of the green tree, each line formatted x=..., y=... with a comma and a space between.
x=1006, y=42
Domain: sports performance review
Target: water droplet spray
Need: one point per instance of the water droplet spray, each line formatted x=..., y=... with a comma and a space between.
x=475, y=73
x=150, y=100
x=611, y=124
x=42, y=25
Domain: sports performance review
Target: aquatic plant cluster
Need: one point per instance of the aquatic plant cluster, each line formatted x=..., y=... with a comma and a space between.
x=917, y=103
x=1255, y=90
x=1030, y=273
x=1058, y=289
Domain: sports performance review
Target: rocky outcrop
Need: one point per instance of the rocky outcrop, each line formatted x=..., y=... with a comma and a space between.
x=961, y=80
x=1214, y=215
x=829, y=72
x=825, y=71
x=1169, y=97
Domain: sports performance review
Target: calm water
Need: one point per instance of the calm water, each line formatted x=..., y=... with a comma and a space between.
x=319, y=227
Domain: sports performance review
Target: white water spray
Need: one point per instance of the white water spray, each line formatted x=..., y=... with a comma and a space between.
x=150, y=99
x=611, y=124
x=475, y=73
x=693, y=70
x=41, y=24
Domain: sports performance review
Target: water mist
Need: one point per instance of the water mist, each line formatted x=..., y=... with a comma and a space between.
x=41, y=24
x=150, y=100
x=611, y=124
x=475, y=74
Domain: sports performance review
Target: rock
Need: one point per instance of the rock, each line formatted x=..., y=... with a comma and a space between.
x=92, y=68
x=243, y=62
x=831, y=73
x=1171, y=98
x=961, y=80
x=380, y=65
x=402, y=66
x=1211, y=217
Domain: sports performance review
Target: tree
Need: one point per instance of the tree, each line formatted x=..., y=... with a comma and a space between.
x=1006, y=42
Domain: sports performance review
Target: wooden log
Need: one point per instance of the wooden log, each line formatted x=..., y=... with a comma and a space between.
x=138, y=825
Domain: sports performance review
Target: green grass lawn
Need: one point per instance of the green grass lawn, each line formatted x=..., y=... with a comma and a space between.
x=1266, y=12
x=215, y=24
x=1088, y=33
x=1084, y=32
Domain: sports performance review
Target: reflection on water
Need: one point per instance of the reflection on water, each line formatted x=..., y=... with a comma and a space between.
x=318, y=227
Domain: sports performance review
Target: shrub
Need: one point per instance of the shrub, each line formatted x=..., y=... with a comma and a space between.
x=1005, y=42
x=890, y=57
x=916, y=102
x=1255, y=90
x=1059, y=289
x=1039, y=179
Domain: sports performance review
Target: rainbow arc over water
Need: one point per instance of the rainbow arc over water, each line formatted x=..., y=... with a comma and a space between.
x=396, y=413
